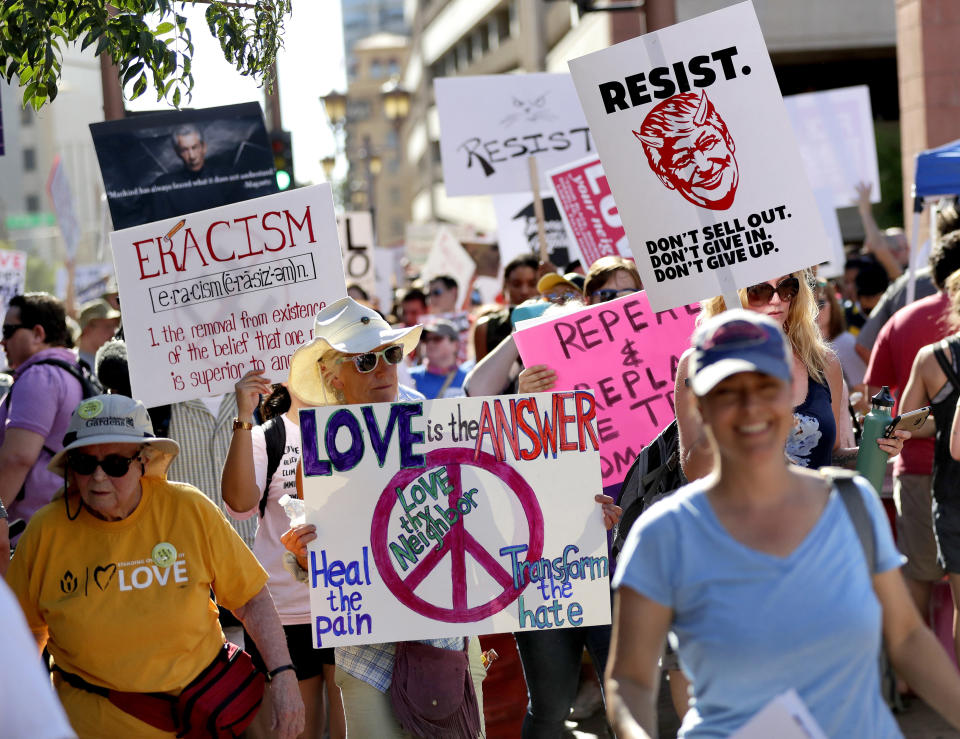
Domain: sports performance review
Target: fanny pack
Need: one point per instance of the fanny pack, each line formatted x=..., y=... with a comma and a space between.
x=219, y=702
x=432, y=692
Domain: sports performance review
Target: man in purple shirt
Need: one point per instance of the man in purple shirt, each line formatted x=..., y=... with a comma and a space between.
x=35, y=412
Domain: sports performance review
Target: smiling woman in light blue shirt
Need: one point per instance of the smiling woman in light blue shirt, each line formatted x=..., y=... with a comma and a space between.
x=759, y=573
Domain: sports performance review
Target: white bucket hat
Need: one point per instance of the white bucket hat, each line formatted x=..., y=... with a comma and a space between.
x=349, y=328
x=115, y=419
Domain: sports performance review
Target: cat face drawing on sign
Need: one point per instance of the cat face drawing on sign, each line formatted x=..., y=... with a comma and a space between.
x=691, y=151
x=531, y=110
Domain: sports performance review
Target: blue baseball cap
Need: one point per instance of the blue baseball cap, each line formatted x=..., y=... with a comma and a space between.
x=738, y=341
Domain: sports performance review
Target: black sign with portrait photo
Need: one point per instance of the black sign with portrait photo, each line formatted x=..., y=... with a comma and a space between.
x=163, y=165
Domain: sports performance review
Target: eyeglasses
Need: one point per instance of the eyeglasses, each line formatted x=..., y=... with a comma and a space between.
x=438, y=291
x=605, y=295
x=113, y=465
x=9, y=329
x=821, y=304
x=367, y=362
x=762, y=294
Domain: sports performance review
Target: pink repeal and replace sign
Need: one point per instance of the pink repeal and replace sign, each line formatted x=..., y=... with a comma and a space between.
x=589, y=210
x=458, y=541
x=628, y=356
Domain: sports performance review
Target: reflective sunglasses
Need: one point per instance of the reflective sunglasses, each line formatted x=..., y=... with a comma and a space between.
x=367, y=362
x=9, y=329
x=113, y=465
x=607, y=294
x=762, y=294
x=438, y=291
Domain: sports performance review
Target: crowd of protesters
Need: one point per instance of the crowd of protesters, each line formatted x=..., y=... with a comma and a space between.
x=770, y=391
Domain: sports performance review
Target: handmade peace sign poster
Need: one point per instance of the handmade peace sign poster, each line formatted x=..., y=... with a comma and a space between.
x=701, y=157
x=454, y=517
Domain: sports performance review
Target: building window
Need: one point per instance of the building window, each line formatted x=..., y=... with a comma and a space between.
x=503, y=26
x=493, y=34
x=395, y=196
x=376, y=69
x=514, y=18
x=393, y=68
x=26, y=117
x=29, y=160
x=32, y=203
x=358, y=110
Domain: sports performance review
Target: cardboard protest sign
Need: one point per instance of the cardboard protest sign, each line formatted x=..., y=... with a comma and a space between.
x=215, y=294
x=588, y=210
x=701, y=157
x=356, y=246
x=833, y=267
x=58, y=187
x=454, y=517
x=627, y=355
x=517, y=230
x=13, y=274
x=448, y=257
x=834, y=130
x=491, y=125
x=418, y=241
x=90, y=281
x=159, y=166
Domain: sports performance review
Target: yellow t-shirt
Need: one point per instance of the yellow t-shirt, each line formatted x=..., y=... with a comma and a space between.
x=108, y=612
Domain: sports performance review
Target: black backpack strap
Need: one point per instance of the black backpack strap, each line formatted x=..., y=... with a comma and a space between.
x=275, y=435
x=857, y=510
x=945, y=364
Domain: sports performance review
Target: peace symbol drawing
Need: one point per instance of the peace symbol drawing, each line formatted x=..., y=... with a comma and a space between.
x=457, y=542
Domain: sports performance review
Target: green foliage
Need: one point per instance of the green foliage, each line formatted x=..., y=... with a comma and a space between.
x=157, y=55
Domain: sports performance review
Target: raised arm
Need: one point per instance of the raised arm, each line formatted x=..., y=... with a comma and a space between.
x=492, y=372
x=875, y=242
x=238, y=483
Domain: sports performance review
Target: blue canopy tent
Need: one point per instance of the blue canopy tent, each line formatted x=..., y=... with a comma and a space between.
x=937, y=174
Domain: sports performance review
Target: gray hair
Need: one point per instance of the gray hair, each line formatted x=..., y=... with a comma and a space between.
x=185, y=130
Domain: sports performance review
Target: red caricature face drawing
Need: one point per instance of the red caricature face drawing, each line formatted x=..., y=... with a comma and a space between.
x=689, y=148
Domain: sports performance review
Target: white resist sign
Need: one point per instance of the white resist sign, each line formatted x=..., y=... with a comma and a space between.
x=700, y=155
x=212, y=295
x=491, y=125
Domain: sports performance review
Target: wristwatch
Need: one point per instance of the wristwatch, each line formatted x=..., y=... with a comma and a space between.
x=244, y=425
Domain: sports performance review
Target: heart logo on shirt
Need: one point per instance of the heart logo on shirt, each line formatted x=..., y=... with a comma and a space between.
x=103, y=575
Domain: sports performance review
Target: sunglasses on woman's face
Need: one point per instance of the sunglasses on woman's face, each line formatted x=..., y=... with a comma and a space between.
x=367, y=362
x=113, y=465
x=787, y=289
x=605, y=295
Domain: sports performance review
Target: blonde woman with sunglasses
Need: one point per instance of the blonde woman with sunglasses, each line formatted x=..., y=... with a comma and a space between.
x=353, y=359
x=817, y=382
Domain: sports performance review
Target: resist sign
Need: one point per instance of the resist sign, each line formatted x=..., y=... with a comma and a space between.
x=215, y=294
x=701, y=156
x=588, y=210
x=454, y=518
x=627, y=355
x=491, y=125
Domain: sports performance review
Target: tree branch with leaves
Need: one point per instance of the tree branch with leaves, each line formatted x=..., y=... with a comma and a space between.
x=148, y=40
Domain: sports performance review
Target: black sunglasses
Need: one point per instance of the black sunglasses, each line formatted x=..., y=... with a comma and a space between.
x=607, y=294
x=367, y=362
x=113, y=465
x=762, y=294
x=9, y=329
